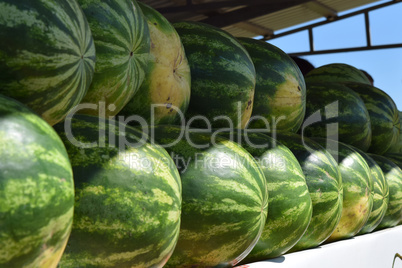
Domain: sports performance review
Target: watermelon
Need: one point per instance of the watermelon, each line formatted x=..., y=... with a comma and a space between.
x=47, y=55
x=290, y=209
x=222, y=76
x=122, y=45
x=383, y=114
x=344, y=116
x=337, y=72
x=280, y=91
x=357, y=188
x=395, y=157
x=225, y=198
x=164, y=96
x=380, y=195
x=36, y=189
x=128, y=196
x=393, y=175
x=324, y=183
x=397, y=146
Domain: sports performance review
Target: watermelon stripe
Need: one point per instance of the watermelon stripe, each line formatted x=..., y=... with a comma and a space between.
x=128, y=201
x=393, y=175
x=36, y=197
x=384, y=116
x=337, y=72
x=357, y=189
x=221, y=76
x=380, y=195
x=58, y=35
x=280, y=88
x=325, y=187
x=340, y=105
x=122, y=43
x=225, y=200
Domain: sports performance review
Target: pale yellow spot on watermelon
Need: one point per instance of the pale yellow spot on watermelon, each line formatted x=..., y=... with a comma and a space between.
x=169, y=80
x=354, y=216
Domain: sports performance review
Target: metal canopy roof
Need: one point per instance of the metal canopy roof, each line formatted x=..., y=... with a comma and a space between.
x=250, y=18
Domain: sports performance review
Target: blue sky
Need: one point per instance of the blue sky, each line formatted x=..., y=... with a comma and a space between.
x=385, y=65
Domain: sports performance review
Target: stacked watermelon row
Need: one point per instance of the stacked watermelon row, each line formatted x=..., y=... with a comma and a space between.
x=95, y=192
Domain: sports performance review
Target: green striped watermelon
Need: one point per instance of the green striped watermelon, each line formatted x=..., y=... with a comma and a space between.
x=380, y=195
x=128, y=196
x=384, y=116
x=280, y=91
x=357, y=188
x=165, y=94
x=36, y=189
x=337, y=104
x=225, y=198
x=290, y=209
x=47, y=55
x=324, y=183
x=395, y=157
x=122, y=44
x=222, y=76
x=397, y=146
x=393, y=175
x=337, y=72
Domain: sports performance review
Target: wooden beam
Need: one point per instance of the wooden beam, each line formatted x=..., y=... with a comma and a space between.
x=250, y=12
x=254, y=28
x=321, y=9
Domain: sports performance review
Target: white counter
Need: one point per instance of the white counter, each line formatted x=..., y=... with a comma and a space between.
x=375, y=250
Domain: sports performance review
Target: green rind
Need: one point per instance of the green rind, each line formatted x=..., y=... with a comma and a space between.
x=337, y=72
x=280, y=91
x=164, y=95
x=393, y=175
x=380, y=195
x=324, y=183
x=337, y=104
x=395, y=157
x=122, y=44
x=357, y=188
x=225, y=198
x=222, y=75
x=384, y=117
x=128, y=197
x=290, y=208
x=397, y=146
x=47, y=55
x=36, y=189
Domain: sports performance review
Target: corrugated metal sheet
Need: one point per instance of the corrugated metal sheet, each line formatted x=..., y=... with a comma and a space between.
x=300, y=12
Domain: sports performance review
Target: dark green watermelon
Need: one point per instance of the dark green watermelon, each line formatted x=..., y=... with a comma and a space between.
x=290, y=208
x=384, y=117
x=47, y=55
x=342, y=115
x=225, y=198
x=357, y=188
x=128, y=196
x=395, y=157
x=36, y=189
x=324, y=183
x=222, y=76
x=280, y=91
x=122, y=45
x=337, y=72
x=397, y=146
x=393, y=175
